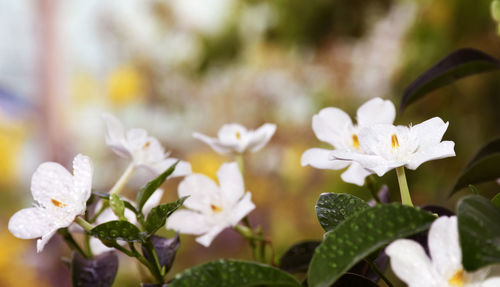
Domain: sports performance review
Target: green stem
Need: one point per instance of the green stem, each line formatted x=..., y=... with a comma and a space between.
x=156, y=273
x=123, y=179
x=241, y=163
x=247, y=233
x=72, y=244
x=371, y=183
x=403, y=186
x=100, y=211
x=83, y=223
x=375, y=268
x=151, y=249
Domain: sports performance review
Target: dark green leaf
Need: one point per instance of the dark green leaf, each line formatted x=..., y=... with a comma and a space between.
x=333, y=208
x=297, y=257
x=350, y=280
x=117, y=229
x=360, y=235
x=230, y=273
x=165, y=248
x=99, y=271
x=459, y=64
x=158, y=215
x=485, y=166
x=496, y=200
x=117, y=206
x=152, y=186
x=479, y=230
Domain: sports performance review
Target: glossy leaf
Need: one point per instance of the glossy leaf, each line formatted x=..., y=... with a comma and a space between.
x=158, y=215
x=496, y=200
x=297, y=257
x=479, y=230
x=99, y=271
x=485, y=166
x=117, y=230
x=333, y=208
x=152, y=186
x=457, y=65
x=360, y=235
x=117, y=206
x=165, y=248
x=230, y=273
x=350, y=280
x=126, y=203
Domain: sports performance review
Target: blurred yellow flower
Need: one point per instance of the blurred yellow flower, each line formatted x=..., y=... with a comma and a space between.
x=207, y=163
x=11, y=140
x=125, y=84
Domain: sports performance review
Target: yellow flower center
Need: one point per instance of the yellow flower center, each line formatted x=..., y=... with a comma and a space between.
x=57, y=203
x=355, y=141
x=238, y=135
x=457, y=279
x=146, y=145
x=215, y=208
x=394, y=141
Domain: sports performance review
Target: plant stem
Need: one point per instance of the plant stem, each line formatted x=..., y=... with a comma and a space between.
x=371, y=183
x=72, y=244
x=375, y=268
x=101, y=210
x=403, y=186
x=156, y=273
x=83, y=223
x=151, y=249
x=241, y=163
x=247, y=233
x=123, y=179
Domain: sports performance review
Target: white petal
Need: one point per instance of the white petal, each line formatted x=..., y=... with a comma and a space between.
x=444, y=246
x=261, y=137
x=442, y=150
x=30, y=223
x=430, y=132
x=82, y=177
x=187, y=222
x=230, y=182
x=51, y=181
x=214, y=144
x=355, y=174
x=491, y=282
x=98, y=247
x=201, y=190
x=40, y=243
x=410, y=263
x=242, y=208
x=207, y=238
x=330, y=124
x=320, y=158
x=376, y=139
x=376, y=111
x=115, y=135
x=374, y=163
x=183, y=168
x=228, y=133
x=153, y=201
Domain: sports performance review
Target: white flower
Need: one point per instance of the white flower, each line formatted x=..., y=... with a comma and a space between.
x=145, y=151
x=59, y=198
x=387, y=147
x=211, y=208
x=108, y=215
x=334, y=126
x=236, y=139
x=444, y=269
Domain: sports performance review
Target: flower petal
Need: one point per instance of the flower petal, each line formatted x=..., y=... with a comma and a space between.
x=97, y=246
x=214, y=144
x=31, y=223
x=201, y=190
x=40, y=243
x=230, y=182
x=444, y=246
x=187, y=222
x=82, y=178
x=330, y=125
x=207, y=238
x=52, y=184
x=376, y=111
x=231, y=133
x=115, y=135
x=320, y=158
x=410, y=263
x=374, y=163
x=442, y=150
x=430, y=132
x=242, y=208
x=183, y=168
x=355, y=174
x=153, y=201
x=261, y=137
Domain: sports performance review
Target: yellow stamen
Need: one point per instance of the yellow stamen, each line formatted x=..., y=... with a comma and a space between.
x=355, y=141
x=215, y=208
x=394, y=141
x=146, y=145
x=457, y=279
x=57, y=203
x=238, y=135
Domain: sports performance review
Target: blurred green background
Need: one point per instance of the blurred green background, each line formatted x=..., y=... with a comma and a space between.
x=178, y=66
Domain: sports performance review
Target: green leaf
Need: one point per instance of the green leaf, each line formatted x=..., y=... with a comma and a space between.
x=350, y=279
x=117, y=229
x=360, y=235
x=297, y=258
x=230, y=273
x=479, y=230
x=117, y=206
x=99, y=271
x=457, y=65
x=158, y=215
x=496, y=200
x=485, y=166
x=333, y=208
x=152, y=186
x=165, y=248
x=127, y=204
